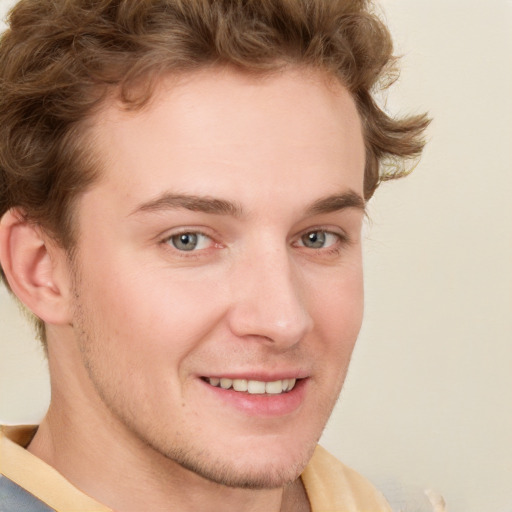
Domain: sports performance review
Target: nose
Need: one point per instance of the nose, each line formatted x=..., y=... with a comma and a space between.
x=269, y=300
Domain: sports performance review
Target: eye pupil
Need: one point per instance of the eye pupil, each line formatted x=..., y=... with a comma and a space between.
x=314, y=239
x=185, y=241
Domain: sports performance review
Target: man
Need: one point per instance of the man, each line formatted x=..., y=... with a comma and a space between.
x=183, y=186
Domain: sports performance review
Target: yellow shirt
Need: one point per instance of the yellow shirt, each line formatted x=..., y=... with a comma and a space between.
x=330, y=485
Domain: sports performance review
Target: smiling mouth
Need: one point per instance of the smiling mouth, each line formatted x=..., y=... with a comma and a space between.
x=253, y=387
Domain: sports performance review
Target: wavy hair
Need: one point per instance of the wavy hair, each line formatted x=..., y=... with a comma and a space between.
x=60, y=59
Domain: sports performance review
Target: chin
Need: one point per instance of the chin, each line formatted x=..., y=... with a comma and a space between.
x=263, y=475
x=265, y=467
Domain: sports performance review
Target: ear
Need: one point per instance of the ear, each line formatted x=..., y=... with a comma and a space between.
x=35, y=268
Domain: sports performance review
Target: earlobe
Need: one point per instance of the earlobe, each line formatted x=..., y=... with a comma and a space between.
x=34, y=268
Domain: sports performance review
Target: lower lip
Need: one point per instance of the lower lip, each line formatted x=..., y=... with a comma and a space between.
x=263, y=405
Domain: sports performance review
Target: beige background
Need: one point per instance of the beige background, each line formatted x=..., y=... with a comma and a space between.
x=428, y=401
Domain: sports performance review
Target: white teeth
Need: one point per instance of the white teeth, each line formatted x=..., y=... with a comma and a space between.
x=240, y=385
x=274, y=388
x=226, y=383
x=254, y=387
x=290, y=384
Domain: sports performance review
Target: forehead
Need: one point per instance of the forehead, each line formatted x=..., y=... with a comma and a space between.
x=220, y=131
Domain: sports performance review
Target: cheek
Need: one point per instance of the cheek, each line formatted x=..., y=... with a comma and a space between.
x=152, y=311
x=338, y=306
x=338, y=317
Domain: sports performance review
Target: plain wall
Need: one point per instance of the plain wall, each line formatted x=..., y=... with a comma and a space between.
x=428, y=399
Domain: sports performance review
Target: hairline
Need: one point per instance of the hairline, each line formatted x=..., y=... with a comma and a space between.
x=151, y=87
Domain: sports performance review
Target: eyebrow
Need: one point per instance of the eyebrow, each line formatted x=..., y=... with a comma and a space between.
x=193, y=203
x=212, y=205
x=337, y=202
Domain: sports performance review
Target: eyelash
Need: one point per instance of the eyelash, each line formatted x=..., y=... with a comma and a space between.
x=167, y=241
x=334, y=248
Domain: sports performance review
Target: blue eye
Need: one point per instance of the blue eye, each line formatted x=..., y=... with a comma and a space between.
x=319, y=239
x=189, y=241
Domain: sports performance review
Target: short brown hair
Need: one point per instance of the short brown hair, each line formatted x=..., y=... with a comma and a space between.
x=60, y=58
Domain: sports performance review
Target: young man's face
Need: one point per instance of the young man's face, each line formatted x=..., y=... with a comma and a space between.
x=222, y=247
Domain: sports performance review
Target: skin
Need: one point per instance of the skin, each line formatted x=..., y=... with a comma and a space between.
x=142, y=322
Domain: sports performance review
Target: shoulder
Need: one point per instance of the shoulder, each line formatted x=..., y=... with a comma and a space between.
x=333, y=487
x=30, y=485
x=15, y=498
